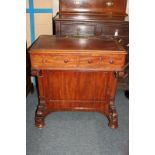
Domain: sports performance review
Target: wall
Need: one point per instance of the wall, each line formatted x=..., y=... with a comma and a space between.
x=38, y=19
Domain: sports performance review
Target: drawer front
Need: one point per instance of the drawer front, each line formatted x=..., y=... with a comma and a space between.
x=104, y=61
x=60, y=61
x=89, y=61
x=93, y=6
x=53, y=61
x=88, y=29
x=84, y=61
x=112, y=61
x=36, y=60
x=115, y=29
x=77, y=29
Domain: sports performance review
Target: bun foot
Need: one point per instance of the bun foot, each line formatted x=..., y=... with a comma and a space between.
x=40, y=114
x=113, y=125
x=113, y=116
x=39, y=122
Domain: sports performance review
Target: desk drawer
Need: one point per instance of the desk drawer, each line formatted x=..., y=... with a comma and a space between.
x=102, y=61
x=91, y=6
x=115, y=29
x=77, y=29
x=89, y=61
x=53, y=61
x=60, y=61
x=112, y=60
x=84, y=61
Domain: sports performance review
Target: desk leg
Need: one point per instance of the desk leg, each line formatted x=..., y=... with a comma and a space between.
x=41, y=109
x=40, y=114
x=113, y=116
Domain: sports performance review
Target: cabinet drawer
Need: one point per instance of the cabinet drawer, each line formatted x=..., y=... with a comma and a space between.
x=99, y=6
x=115, y=29
x=36, y=60
x=60, y=61
x=92, y=29
x=103, y=61
x=77, y=29
x=112, y=60
x=53, y=61
x=89, y=61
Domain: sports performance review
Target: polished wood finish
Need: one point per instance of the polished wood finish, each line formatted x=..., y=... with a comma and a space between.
x=76, y=74
x=93, y=6
x=81, y=25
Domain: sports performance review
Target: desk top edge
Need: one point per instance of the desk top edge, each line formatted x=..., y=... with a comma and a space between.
x=49, y=43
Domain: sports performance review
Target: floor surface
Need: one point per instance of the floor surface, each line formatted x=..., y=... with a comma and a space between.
x=78, y=133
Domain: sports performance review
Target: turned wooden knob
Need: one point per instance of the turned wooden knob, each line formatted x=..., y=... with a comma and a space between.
x=44, y=61
x=122, y=74
x=116, y=33
x=78, y=32
x=77, y=2
x=109, y=4
x=120, y=40
x=66, y=61
x=90, y=61
x=101, y=58
x=111, y=61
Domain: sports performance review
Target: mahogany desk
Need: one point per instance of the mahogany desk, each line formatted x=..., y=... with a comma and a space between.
x=76, y=74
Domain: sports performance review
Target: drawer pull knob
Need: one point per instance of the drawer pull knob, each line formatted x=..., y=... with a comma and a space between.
x=101, y=58
x=116, y=33
x=77, y=2
x=120, y=40
x=66, y=61
x=44, y=61
x=90, y=61
x=111, y=61
x=109, y=4
x=78, y=32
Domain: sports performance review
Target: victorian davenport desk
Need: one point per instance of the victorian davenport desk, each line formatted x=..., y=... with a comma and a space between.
x=76, y=74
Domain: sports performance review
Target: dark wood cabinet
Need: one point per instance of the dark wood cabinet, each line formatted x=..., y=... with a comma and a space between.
x=117, y=7
x=77, y=74
x=88, y=26
x=77, y=29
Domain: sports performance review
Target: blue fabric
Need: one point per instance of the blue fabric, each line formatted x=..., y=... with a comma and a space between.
x=39, y=10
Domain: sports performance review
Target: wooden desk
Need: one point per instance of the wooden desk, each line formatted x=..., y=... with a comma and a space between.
x=76, y=74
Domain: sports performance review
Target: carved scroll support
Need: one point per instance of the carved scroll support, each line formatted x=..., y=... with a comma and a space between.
x=36, y=72
x=40, y=114
x=120, y=74
x=41, y=109
x=113, y=116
